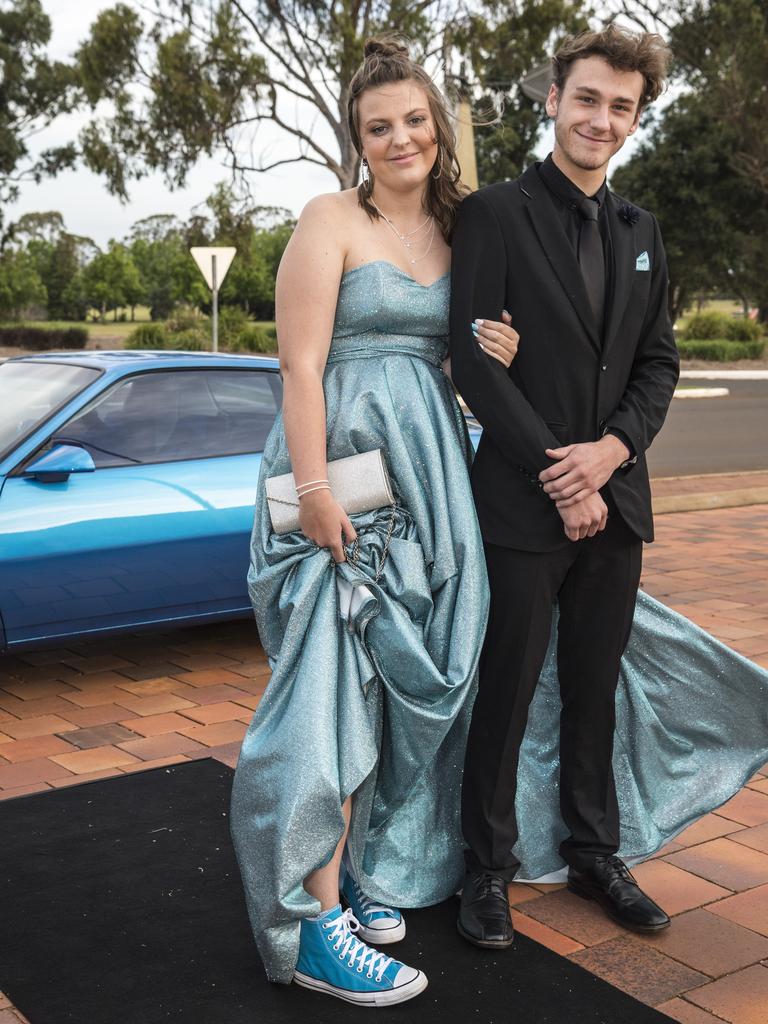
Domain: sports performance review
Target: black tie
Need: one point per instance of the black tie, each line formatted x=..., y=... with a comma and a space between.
x=592, y=259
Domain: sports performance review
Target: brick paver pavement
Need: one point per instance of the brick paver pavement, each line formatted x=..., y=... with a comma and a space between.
x=106, y=707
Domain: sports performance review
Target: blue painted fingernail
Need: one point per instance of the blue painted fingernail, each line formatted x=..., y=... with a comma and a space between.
x=475, y=328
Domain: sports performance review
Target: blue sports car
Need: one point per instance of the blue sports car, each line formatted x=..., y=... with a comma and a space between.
x=127, y=485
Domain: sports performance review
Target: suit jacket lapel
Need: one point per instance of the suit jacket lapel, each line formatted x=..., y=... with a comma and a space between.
x=624, y=247
x=558, y=250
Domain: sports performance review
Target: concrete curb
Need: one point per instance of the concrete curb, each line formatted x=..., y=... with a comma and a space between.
x=701, y=392
x=724, y=374
x=703, y=491
x=702, y=502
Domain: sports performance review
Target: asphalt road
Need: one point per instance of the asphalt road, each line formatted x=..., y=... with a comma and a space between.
x=714, y=435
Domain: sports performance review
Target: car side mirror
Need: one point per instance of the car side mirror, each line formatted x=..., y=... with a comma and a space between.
x=54, y=466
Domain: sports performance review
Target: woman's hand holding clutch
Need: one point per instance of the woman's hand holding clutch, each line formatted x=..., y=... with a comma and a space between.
x=324, y=521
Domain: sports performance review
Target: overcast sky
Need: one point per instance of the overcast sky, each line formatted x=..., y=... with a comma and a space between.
x=82, y=198
x=88, y=208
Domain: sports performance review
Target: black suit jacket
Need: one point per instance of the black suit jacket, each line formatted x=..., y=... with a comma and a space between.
x=565, y=384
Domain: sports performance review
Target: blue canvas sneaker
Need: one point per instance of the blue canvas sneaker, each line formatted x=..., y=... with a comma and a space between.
x=379, y=925
x=333, y=960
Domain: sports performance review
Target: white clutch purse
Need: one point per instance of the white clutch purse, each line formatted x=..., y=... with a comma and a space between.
x=359, y=483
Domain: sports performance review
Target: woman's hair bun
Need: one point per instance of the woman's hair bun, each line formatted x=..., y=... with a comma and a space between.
x=385, y=46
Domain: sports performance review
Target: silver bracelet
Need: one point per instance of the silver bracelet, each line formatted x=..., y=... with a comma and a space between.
x=319, y=487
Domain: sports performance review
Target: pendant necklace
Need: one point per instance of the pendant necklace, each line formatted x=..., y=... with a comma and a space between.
x=404, y=237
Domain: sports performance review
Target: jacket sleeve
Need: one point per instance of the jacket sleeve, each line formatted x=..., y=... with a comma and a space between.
x=643, y=407
x=478, y=287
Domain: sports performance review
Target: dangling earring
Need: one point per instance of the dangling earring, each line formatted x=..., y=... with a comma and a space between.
x=439, y=163
x=365, y=173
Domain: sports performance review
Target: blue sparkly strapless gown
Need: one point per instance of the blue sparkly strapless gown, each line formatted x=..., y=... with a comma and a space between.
x=377, y=703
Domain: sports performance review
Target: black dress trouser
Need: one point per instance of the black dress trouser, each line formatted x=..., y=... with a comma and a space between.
x=595, y=583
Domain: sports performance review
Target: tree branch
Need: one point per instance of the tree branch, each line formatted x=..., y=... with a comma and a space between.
x=273, y=116
x=236, y=166
x=300, y=75
x=305, y=77
x=629, y=8
x=164, y=13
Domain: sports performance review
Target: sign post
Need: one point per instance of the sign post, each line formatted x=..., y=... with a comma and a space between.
x=214, y=261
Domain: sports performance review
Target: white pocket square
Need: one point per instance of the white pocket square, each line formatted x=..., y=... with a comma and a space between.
x=642, y=262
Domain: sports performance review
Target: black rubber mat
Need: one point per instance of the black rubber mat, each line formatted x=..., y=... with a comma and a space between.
x=120, y=903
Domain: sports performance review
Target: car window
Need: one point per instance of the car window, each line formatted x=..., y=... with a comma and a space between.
x=179, y=414
x=31, y=391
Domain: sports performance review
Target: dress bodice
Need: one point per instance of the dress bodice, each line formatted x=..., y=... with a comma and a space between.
x=381, y=308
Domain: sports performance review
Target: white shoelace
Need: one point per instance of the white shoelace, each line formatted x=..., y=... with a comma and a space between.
x=352, y=949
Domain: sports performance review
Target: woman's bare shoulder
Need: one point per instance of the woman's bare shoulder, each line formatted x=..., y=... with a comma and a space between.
x=331, y=206
x=330, y=221
x=322, y=237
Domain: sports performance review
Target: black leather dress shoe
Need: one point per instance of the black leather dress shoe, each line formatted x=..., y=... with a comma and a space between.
x=484, y=917
x=610, y=882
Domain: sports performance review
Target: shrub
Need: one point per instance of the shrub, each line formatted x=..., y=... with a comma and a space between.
x=43, y=339
x=193, y=340
x=185, y=318
x=721, y=350
x=254, y=338
x=232, y=322
x=148, y=336
x=742, y=329
x=718, y=326
x=703, y=326
x=185, y=331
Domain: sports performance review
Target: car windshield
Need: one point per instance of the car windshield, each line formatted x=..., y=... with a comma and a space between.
x=30, y=392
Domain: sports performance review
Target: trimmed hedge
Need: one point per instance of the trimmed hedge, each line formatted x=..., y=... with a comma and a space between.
x=721, y=350
x=41, y=339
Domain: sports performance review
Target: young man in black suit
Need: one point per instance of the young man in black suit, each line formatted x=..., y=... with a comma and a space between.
x=560, y=478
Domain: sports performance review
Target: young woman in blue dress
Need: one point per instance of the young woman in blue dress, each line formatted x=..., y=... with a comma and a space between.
x=355, y=752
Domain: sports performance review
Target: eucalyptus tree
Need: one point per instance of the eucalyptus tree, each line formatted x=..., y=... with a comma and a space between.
x=187, y=78
x=34, y=91
x=199, y=77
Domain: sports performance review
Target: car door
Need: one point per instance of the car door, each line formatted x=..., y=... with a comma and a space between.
x=159, y=531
